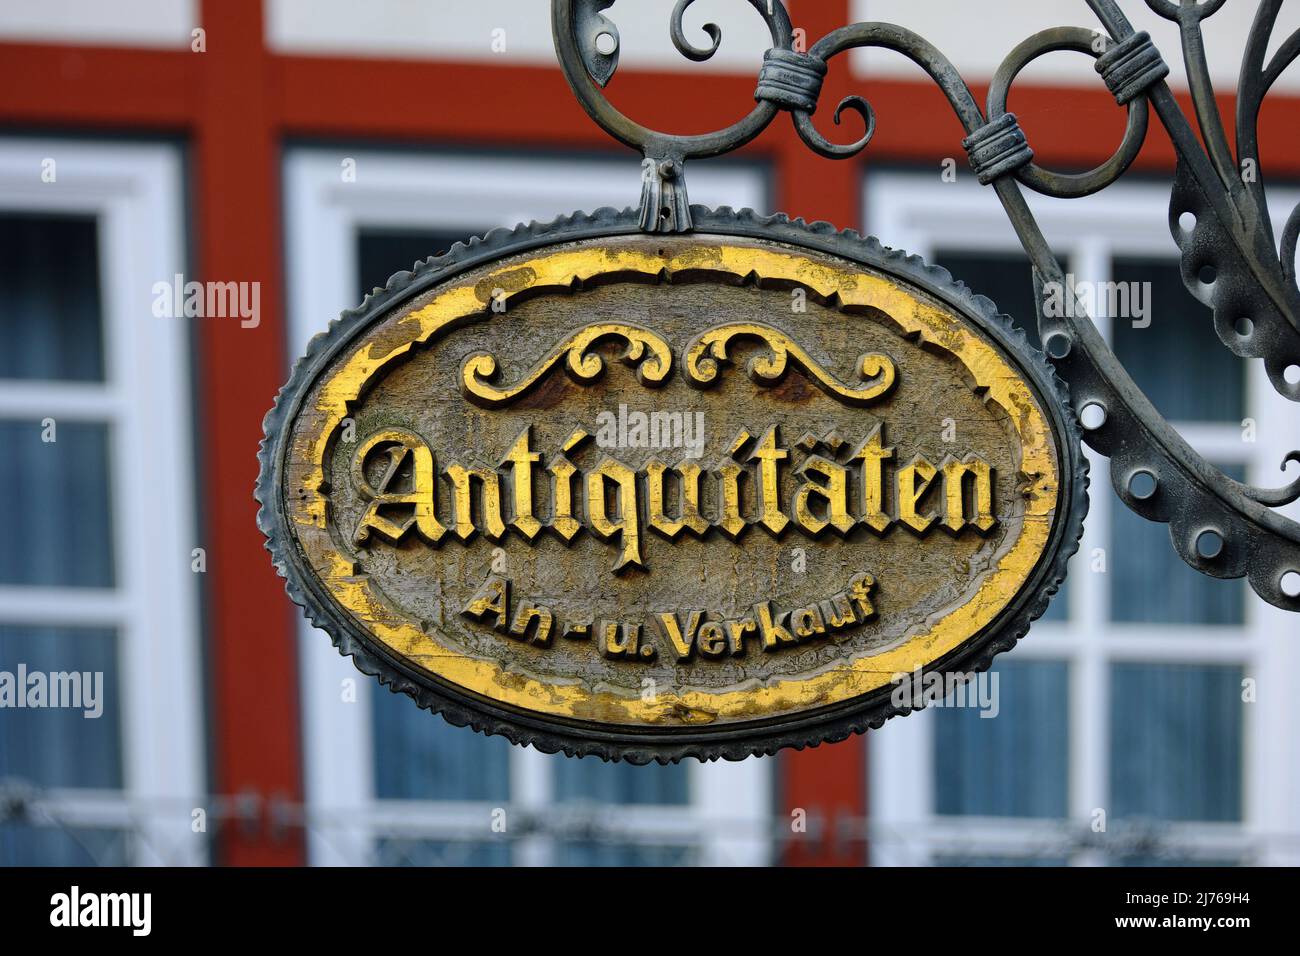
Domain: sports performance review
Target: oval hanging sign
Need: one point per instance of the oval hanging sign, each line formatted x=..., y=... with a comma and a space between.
x=651, y=496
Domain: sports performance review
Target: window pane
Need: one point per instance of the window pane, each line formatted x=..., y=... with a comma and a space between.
x=1173, y=859
x=615, y=785
x=395, y=851
x=1150, y=584
x=63, y=746
x=1012, y=764
x=419, y=756
x=55, y=505
x=381, y=252
x=1004, y=277
x=584, y=853
x=1008, y=280
x=1177, y=360
x=1175, y=741
x=590, y=779
x=22, y=844
x=947, y=859
x=49, y=284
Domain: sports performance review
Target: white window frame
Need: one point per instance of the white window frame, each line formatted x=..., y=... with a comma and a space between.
x=135, y=193
x=918, y=212
x=728, y=816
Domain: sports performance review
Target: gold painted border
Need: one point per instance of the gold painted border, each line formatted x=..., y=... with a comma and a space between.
x=306, y=505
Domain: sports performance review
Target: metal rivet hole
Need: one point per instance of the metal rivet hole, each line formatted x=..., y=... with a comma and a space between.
x=606, y=44
x=1209, y=544
x=1092, y=415
x=1057, y=345
x=1290, y=584
x=1142, y=484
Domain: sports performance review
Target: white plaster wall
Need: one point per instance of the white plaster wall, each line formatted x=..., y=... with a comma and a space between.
x=155, y=23
x=977, y=34
x=453, y=29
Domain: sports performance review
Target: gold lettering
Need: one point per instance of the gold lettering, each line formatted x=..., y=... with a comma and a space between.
x=838, y=612
x=522, y=458
x=954, y=476
x=620, y=641
x=860, y=587
x=769, y=456
x=683, y=642
x=771, y=628
x=462, y=480
x=491, y=600
x=913, y=482
x=564, y=524
x=422, y=497
x=528, y=614
x=835, y=493
x=627, y=527
x=873, y=456
x=688, y=474
x=730, y=522
x=711, y=640
x=736, y=631
x=807, y=622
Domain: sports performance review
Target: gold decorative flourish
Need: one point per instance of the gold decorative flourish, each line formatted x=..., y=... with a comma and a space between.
x=707, y=350
x=647, y=352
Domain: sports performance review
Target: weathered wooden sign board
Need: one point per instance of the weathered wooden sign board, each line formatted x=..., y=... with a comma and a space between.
x=650, y=496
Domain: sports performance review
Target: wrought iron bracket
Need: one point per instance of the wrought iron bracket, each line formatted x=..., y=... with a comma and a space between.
x=1230, y=258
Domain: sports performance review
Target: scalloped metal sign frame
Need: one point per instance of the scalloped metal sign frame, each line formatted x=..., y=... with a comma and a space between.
x=879, y=481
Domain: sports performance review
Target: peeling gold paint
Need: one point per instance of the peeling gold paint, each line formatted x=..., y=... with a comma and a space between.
x=346, y=383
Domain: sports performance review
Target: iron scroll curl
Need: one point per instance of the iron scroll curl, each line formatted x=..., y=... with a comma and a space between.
x=1232, y=234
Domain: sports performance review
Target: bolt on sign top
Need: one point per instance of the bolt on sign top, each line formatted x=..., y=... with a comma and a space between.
x=649, y=496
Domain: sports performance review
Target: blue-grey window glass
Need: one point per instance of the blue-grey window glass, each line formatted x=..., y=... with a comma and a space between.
x=1014, y=764
x=23, y=844
x=1150, y=584
x=1177, y=360
x=612, y=786
x=55, y=504
x=588, y=778
x=61, y=747
x=1007, y=279
x=419, y=756
x=953, y=859
x=50, y=325
x=400, y=851
x=1004, y=277
x=1171, y=857
x=381, y=252
x=1176, y=741
x=588, y=853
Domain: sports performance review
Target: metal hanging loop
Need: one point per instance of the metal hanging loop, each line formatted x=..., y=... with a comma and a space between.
x=580, y=31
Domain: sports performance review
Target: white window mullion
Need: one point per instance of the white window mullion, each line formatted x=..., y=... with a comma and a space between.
x=62, y=401
x=532, y=793
x=733, y=806
x=337, y=719
x=63, y=607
